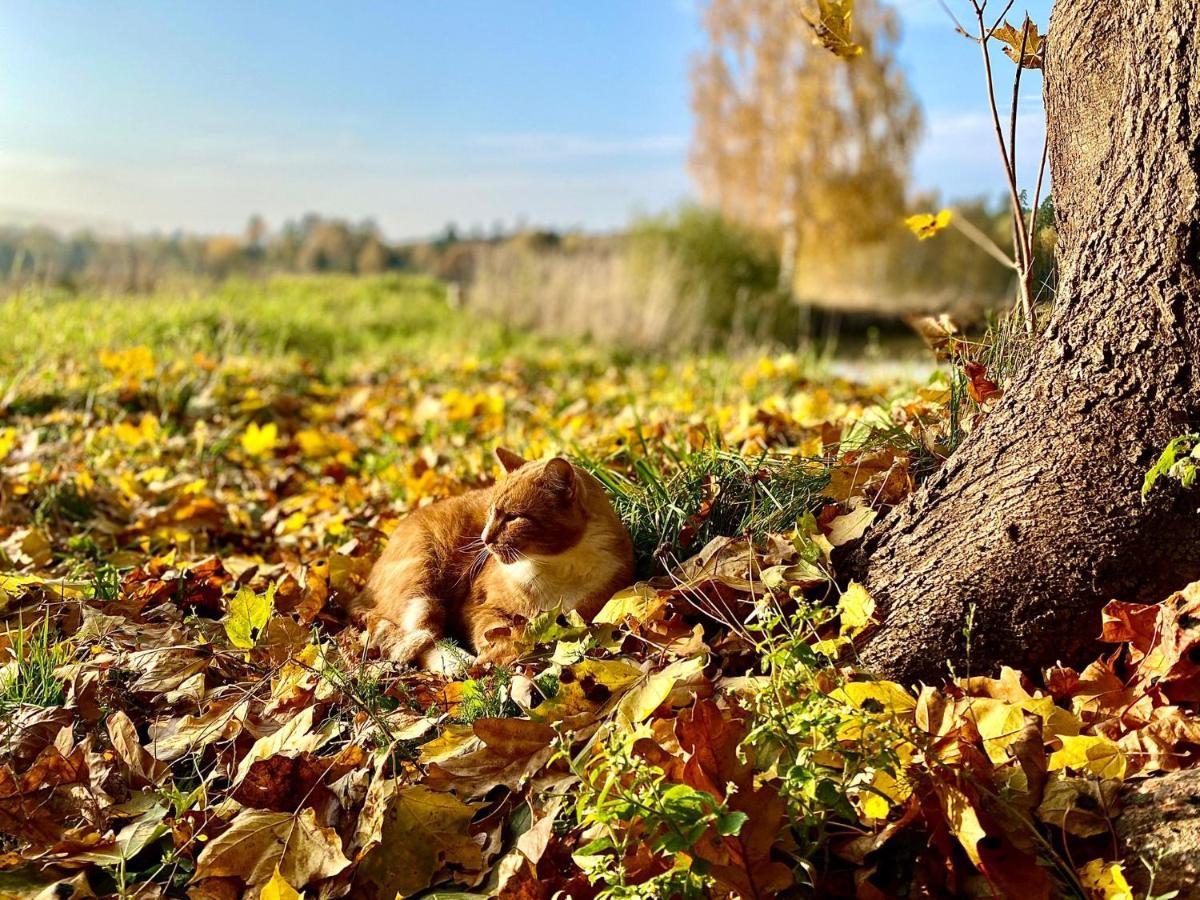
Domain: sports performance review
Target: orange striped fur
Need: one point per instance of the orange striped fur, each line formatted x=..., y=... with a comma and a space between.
x=476, y=567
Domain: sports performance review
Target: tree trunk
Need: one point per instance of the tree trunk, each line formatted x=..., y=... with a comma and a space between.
x=1158, y=833
x=1038, y=521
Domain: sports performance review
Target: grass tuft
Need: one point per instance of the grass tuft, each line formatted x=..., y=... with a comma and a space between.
x=29, y=679
x=673, y=506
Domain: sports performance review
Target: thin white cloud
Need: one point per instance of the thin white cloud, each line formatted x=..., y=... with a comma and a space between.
x=551, y=146
x=959, y=154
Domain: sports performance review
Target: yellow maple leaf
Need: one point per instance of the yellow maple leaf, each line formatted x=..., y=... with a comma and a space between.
x=1089, y=753
x=876, y=696
x=926, y=225
x=1105, y=881
x=259, y=440
x=998, y=723
x=856, y=609
x=833, y=26
x=278, y=889
x=1025, y=46
x=962, y=818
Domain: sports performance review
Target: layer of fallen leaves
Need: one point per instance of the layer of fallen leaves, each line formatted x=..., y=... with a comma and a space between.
x=185, y=531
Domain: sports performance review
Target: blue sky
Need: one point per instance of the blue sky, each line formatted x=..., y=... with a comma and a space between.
x=157, y=115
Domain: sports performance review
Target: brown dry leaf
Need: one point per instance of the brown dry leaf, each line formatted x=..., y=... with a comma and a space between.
x=39, y=802
x=711, y=738
x=285, y=783
x=224, y=719
x=257, y=844
x=513, y=737
x=938, y=332
x=855, y=470
x=1132, y=623
x=1172, y=661
x=513, y=750
x=1012, y=870
x=1080, y=806
x=963, y=818
x=851, y=526
x=29, y=731
x=164, y=669
x=145, y=769
x=421, y=833
x=289, y=740
x=1025, y=46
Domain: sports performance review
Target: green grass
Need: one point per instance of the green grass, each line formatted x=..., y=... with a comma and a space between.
x=325, y=320
x=662, y=500
x=487, y=698
x=29, y=679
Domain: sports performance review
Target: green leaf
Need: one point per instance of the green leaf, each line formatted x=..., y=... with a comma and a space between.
x=248, y=614
x=731, y=823
x=1184, y=472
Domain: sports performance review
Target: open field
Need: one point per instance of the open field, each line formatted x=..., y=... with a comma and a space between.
x=191, y=487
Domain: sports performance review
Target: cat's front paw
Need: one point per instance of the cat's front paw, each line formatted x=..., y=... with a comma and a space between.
x=448, y=661
x=497, y=653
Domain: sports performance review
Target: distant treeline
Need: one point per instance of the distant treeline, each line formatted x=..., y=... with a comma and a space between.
x=688, y=278
x=88, y=261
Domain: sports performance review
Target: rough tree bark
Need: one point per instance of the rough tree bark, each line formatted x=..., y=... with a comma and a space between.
x=1037, y=521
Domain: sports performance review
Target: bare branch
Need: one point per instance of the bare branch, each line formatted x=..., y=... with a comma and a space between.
x=1020, y=239
x=1022, y=246
x=958, y=26
x=982, y=241
x=1037, y=196
x=1000, y=18
x=1012, y=132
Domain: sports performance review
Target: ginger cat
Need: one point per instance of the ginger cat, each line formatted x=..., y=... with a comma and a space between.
x=476, y=567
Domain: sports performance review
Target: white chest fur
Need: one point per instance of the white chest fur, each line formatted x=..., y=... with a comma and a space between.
x=565, y=580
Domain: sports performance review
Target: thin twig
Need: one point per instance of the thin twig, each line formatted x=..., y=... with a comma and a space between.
x=1022, y=244
x=982, y=241
x=1000, y=18
x=1012, y=132
x=958, y=26
x=1014, y=198
x=1037, y=194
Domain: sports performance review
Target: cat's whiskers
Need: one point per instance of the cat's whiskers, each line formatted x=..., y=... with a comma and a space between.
x=476, y=565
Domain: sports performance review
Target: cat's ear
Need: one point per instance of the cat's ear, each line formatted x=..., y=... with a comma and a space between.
x=559, y=476
x=511, y=461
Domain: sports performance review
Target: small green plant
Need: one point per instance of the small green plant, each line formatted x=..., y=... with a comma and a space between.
x=363, y=684
x=839, y=745
x=455, y=654
x=1180, y=461
x=64, y=500
x=29, y=679
x=487, y=698
x=624, y=801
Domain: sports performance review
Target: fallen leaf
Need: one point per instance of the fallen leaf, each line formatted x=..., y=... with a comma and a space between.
x=1086, y=753
x=421, y=832
x=248, y=614
x=1104, y=881
x=257, y=844
x=278, y=889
